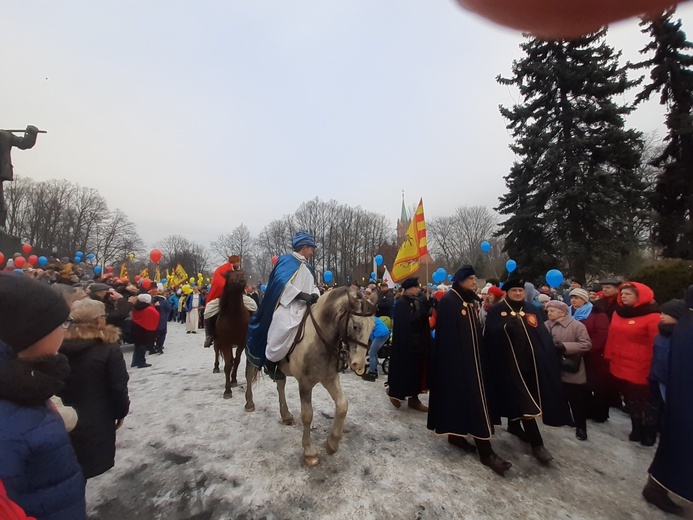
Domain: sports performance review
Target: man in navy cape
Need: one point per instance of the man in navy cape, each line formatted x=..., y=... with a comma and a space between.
x=290, y=289
x=521, y=370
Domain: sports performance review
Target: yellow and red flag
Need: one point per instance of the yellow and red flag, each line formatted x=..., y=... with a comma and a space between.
x=124, y=272
x=178, y=276
x=413, y=248
x=144, y=273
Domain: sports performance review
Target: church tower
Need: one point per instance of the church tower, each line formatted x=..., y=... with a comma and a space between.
x=402, y=223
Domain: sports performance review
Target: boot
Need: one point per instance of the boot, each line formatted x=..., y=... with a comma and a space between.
x=208, y=341
x=370, y=376
x=581, y=433
x=542, y=454
x=515, y=428
x=272, y=370
x=415, y=404
x=656, y=495
x=636, y=430
x=461, y=442
x=497, y=464
x=648, y=435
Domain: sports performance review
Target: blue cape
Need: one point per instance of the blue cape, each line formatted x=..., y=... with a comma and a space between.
x=284, y=270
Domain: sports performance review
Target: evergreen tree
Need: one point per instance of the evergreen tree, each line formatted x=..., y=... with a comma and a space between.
x=574, y=192
x=672, y=77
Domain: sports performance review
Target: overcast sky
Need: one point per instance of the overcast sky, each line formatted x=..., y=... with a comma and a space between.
x=193, y=117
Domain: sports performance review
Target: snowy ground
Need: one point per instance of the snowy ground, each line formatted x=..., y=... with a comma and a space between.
x=186, y=453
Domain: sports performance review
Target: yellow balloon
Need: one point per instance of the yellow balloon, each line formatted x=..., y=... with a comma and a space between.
x=131, y=255
x=199, y=275
x=192, y=279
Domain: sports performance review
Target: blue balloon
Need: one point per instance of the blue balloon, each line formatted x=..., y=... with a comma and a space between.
x=164, y=281
x=78, y=259
x=373, y=275
x=486, y=246
x=438, y=277
x=327, y=276
x=42, y=260
x=510, y=265
x=378, y=260
x=443, y=272
x=91, y=256
x=554, y=278
x=263, y=288
x=450, y=277
x=97, y=269
x=79, y=253
x=19, y=271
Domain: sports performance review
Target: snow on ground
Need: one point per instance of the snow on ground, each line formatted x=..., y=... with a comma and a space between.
x=184, y=452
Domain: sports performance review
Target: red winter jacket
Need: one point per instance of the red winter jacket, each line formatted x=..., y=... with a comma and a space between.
x=631, y=337
x=9, y=510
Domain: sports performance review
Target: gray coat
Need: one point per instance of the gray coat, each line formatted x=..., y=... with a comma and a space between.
x=574, y=336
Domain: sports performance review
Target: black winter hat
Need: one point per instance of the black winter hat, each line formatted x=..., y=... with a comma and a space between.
x=514, y=283
x=674, y=308
x=463, y=273
x=410, y=282
x=29, y=311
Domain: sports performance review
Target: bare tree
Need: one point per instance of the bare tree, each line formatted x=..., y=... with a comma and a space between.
x=238, y=242
x=194, y=258
x=115, y=238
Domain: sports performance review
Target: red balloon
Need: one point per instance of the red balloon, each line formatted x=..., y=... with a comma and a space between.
x=274, y=259
x=26, y=248
x=19, y=262
x=110, y=268
x=146, y=283
x=2, y=258
x=137, y=278
x=155, y=255
x=32, y=260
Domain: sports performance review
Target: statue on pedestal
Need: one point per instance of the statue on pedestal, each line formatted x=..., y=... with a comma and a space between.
x=7, y=141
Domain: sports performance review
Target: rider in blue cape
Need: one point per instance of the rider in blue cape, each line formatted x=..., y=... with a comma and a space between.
x=290, y=289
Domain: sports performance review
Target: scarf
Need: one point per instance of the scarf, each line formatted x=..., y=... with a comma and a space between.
x=31, y=382
x=583, y=312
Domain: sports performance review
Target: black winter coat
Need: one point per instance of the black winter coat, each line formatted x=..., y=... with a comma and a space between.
x=457, y=402
x=411, y=336
x=97, y=389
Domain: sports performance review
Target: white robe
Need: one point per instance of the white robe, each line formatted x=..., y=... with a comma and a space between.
x=289, y=313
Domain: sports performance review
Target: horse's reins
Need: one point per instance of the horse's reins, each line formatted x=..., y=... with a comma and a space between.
x=342, y=348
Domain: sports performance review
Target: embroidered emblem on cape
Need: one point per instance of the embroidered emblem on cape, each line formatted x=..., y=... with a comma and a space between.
x=532, y=320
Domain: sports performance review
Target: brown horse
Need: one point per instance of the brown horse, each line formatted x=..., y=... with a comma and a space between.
x=231, y=329
x=334, y=336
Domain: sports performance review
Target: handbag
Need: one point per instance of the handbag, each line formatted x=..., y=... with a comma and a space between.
x=570, y=363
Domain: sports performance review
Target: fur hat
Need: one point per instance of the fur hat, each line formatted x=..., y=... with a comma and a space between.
x=543, y=298
x=410, y=282
x=581, y=293
x=85, y=311
x=463, y=273
x=557, y=304
x=29, y=311
x=486, y=288
x=513, y=283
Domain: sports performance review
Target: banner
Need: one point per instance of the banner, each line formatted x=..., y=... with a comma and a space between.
x=144, y=273
x=124, y=272
x=157, y=275
x=178, y=276
x=413, y=248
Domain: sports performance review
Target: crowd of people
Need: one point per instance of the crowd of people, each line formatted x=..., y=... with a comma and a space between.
x=501, y=352
x=520, y=353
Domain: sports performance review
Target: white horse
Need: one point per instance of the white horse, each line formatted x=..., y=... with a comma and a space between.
x=333, y=336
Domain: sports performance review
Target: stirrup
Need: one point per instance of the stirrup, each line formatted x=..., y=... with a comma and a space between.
x=272, y=370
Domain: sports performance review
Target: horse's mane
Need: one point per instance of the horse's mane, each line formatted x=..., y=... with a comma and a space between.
x=232, y=296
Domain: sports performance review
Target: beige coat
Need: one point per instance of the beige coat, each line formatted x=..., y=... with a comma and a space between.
x=574, y=336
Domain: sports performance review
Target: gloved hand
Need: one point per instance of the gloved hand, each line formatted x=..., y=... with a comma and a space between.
x=31, y=129
x=559, y=346
x=309, y=298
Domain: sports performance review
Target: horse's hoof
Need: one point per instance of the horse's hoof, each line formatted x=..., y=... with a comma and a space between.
x=312, y=460
x=289, y=421
x=329, y=449
x=215, y=371
x=228, y=394
x=234, y=384
x=249, y=407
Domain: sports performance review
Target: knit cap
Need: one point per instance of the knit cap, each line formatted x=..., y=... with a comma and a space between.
x=557, y=304
x=581, y=293
x=674, y=308
x=29, y=311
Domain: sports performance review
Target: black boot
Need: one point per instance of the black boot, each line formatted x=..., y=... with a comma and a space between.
x=272, y=370
x=636, y=430
x=515, y=427
x=648, y=435
x=655, y=494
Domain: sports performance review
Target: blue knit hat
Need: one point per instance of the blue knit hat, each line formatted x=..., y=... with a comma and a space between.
x=302, y=239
